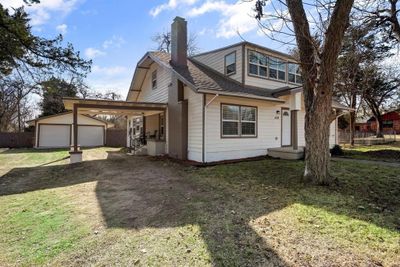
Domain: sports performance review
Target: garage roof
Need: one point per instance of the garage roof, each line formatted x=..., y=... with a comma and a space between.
x=113, y=107
x=32, y=122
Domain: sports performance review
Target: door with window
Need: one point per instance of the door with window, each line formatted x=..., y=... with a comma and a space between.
x=286, y=128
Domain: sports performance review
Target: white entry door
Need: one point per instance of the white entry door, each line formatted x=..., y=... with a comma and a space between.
x=286, y=128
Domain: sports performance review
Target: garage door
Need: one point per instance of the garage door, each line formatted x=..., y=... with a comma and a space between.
x=54, y=136
x=91, y=135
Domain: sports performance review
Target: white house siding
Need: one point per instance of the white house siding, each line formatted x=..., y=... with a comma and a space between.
x=300, y=129
x=159, y=94
x=268, y=131
x=216, y=60
x=195, y=124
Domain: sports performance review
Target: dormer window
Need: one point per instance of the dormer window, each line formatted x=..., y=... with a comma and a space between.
x=277, y=69
x=294, y=75
x=154, y=79
x=258, y=64
x=230, y=64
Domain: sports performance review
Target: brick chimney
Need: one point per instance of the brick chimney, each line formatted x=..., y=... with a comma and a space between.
x=179, y=42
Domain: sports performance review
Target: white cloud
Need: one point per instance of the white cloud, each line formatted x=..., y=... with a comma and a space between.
x=115, y=41
x=42, y=12
x=110, y=78
x=109, y=71
x=62, y=28
x=171, y=4
x=235, y=18
x=93, y=53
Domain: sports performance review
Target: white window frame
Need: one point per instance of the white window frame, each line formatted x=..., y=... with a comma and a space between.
x=257, y=64
x=278, y=62
x=154, y=80
x=239, y=122
x=226, y=66
x=296, y=73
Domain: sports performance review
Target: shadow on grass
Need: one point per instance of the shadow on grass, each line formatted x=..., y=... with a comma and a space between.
x=381, y=154
x=140, y=192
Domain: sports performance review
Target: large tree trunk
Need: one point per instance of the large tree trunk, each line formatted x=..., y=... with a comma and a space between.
x=379, y=127
x=317, y=156
x=317, y=70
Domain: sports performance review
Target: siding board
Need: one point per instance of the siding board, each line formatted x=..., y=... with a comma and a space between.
x=216, y=61
x=159, y=94
x=195, y=124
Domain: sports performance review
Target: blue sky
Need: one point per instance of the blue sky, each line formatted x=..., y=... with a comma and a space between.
x=116, y=34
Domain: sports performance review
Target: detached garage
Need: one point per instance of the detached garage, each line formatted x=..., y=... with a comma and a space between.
x=57, y=131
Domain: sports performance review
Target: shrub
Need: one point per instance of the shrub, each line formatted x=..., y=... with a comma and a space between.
x=337, y=151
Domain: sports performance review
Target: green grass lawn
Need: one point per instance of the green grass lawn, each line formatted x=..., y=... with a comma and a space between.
x=388, y=152
x=114, y=209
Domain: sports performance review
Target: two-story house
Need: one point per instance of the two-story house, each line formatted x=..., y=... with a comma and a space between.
x=239, y=101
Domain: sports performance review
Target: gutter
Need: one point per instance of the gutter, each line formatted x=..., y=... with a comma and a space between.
x=242, y=95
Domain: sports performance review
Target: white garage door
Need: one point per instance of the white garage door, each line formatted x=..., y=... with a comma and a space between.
x=90, y=135
x=54, y=136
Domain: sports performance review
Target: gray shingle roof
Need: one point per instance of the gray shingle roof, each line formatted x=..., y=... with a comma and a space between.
x=202, y=77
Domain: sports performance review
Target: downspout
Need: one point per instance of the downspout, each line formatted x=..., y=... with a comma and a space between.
x=205, y=105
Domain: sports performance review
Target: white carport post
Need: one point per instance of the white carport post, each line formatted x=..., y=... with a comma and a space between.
x=75, y=154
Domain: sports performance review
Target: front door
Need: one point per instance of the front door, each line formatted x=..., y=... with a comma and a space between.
x=286, y=129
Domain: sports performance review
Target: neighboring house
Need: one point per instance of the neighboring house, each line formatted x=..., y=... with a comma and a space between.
x=56, y=131
x=390, y=120
x=239, y=101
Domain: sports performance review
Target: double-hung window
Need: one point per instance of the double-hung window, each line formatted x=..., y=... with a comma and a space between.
x=294, y=75
x=230, y=63
x=258, y=64
x=154, y=79
x=239, y=121
x=277, y=69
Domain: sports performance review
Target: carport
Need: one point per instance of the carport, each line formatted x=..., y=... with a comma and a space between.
x=106, y=107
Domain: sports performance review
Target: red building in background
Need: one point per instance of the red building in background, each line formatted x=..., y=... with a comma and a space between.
x=391, y=122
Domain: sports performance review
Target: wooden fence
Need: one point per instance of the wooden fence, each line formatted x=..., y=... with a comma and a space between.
x=17, y=140
x=367, y=137
x=116, y=137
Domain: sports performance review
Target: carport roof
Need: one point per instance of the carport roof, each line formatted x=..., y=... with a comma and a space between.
x=112, y=107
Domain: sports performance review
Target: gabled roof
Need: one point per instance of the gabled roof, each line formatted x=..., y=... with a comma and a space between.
x=30, y=122
x=203, y=79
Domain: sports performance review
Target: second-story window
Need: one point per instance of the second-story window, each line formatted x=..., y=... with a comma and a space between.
x=277, y=69
x=230, y=63
x=294, y=75
x=258, y=64
x=154, y=79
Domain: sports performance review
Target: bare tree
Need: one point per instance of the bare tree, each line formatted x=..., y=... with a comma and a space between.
x=385, y=14
x=163, y=41
x=380, y=89
x=318, y=47
x=361, y=48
